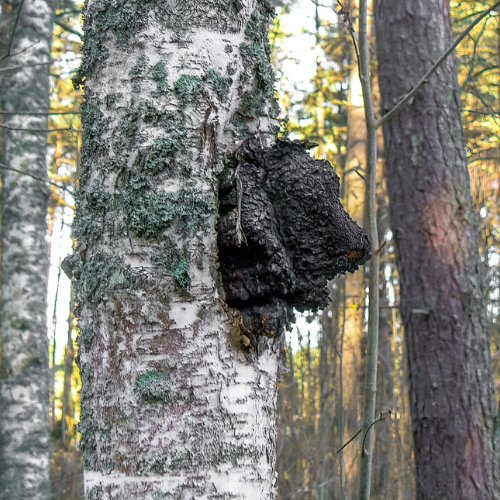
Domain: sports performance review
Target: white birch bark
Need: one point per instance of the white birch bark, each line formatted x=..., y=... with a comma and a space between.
x=24, y=389
x=171, y=407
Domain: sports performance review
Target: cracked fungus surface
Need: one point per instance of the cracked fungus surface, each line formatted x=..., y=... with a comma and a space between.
x=283, y=234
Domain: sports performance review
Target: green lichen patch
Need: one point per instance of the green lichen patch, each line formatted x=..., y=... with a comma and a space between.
x=188, y=88
x=103, y=275
x=87, y=227
x=160, y=77
x=95, y=127
x=176, y=263
x=257, y=26
x=253, y=104
x=150, y=214
x=162, y=153
x=238, y=125
x=168, y=120
x=151, y=113
x=93, y=52
x=138, y=70
x=92, y=120
x=181, y=460
x=97, y=200
x=135, y=185
x=167, y=257
x=220, y=84
x=257, y=55
x=123, y=19
x=86, y=335
x=132, y=119
x=154, y=387
x=92, y=205
x=181, y=274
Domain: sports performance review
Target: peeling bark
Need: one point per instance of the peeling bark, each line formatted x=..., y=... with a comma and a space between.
x=24, y=390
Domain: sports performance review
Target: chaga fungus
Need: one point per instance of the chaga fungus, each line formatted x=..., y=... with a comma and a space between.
x=282, y=234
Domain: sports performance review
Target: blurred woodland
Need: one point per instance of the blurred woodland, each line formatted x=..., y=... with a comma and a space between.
x=321, y=390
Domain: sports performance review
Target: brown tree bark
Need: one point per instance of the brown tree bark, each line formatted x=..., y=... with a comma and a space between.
x=452, y=400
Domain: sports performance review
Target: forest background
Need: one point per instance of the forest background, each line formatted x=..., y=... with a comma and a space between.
x=321, y=393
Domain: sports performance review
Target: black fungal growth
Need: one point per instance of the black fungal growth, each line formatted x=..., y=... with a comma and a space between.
x=282, y=233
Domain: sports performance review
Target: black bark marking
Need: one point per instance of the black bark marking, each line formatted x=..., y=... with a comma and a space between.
x=282, y=234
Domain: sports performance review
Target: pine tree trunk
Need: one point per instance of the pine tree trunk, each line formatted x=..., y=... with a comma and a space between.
x=452, y=400
x=170, y=407
x=24, y=391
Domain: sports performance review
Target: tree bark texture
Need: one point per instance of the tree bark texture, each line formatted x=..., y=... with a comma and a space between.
x=452, y=400
x=171, y=408
x=24, y=390
x=172, y=405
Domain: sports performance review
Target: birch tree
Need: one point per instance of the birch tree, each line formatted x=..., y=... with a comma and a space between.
x=452, y=400
x=26, y=33
x=179, y=325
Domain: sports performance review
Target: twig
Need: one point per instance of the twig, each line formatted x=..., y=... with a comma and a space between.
x=28, y=47
x=21, y=66
x=13, y=34
x=381, y=417
x=433, y=68
x=41, y=179
x=350, y=440
x=39, y=129
x=39, y=113
x=380, y=248
x=68, y=28
x=346, y=18
x=45, y=63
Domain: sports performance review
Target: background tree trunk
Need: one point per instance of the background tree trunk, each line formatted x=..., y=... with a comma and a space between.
x=170, y=407
x=24, y=391
x=435, y=230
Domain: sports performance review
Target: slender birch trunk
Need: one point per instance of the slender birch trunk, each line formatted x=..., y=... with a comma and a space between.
x=170, y=407
x=451, y=389
x=24, y=389
x=370, y=390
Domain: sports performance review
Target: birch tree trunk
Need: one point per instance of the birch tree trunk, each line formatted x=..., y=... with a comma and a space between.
x=452, y=399
x=170, y=407
x=24, y=389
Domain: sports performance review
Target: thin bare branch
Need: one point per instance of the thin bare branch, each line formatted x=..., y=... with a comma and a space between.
x=13, y=34
x=397, y=108
x=68, y=28
x=381, y=417
x=41, y=179
x=14, y=54
x=39, y=129
x=21, y=66
x=345, y=15
x=350, y=440
x=39, y=113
